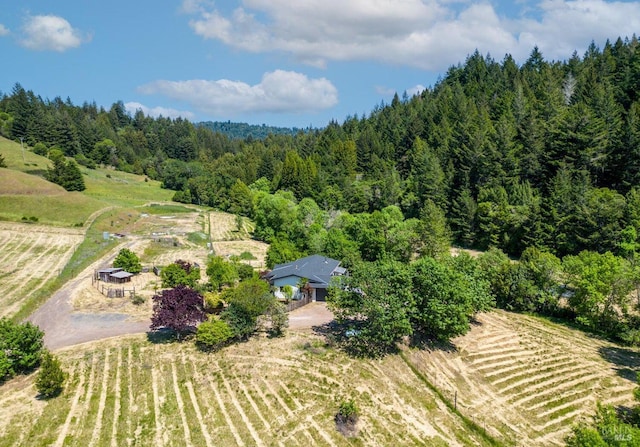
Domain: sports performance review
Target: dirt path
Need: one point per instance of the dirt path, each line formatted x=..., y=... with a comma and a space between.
x=63, y=327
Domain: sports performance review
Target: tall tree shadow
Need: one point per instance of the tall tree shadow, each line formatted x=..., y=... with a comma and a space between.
x=626, y=361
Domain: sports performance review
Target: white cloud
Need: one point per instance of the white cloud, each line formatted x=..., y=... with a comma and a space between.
x=415, y=90
x=133, y=107
x=50, y=33
x=428, y=34
x=279, y=91
x=3, y=30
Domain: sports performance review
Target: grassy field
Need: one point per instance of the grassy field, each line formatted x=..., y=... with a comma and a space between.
x=264, y=392
x=527, y=379
x=25, y=196
x=22, y=192
x=123, y=189
x=513, y=380
x=31, y=257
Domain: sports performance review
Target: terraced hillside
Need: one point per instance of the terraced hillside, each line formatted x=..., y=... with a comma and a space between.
x=528, y=380
x=31, y=256
x=264, y=392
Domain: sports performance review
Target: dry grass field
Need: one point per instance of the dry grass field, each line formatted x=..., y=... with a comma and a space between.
x=31, y=256
x=523, y=380
x=264, y=392
x=528, y=380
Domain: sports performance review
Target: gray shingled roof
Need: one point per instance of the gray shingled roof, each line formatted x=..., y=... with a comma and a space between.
x=317, y=269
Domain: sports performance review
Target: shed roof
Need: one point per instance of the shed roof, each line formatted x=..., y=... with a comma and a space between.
x=121, y=275
x=110, y=270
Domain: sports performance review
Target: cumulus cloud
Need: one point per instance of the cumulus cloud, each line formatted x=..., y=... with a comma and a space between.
x=133, y=107
x=415, y=90
x=428, y=34
x=278, y=91
x=50, y=33
x=3, y=30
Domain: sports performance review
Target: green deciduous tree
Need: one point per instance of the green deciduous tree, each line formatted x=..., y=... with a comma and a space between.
x=375, y=302
x=21, y=347
x=221, y=273
x=180, y=273
x=446, y=297
x=601, y=284
x=247, y=301
x=128, y=260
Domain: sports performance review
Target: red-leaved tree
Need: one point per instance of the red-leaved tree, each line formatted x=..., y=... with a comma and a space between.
x=179, y=309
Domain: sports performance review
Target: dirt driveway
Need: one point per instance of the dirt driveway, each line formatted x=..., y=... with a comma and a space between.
x=65, y=327
x=313, y=314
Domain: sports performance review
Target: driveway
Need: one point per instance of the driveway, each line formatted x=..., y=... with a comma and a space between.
x=313, y=314
x=63, y=327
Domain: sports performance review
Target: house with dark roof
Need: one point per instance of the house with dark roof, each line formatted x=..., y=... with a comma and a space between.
x=316, y=271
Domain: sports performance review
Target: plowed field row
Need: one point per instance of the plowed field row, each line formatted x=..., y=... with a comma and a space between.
x=535, y=379
x=31, y=256
x=261, y=393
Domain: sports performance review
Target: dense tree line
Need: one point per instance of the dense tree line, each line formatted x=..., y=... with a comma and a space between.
x=247, y=131
x=545, y=154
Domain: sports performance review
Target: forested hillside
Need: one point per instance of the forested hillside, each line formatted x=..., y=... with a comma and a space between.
x=544, y=154
x=244, y=131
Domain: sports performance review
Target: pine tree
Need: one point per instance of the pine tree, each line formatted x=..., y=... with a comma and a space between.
x=51, y=377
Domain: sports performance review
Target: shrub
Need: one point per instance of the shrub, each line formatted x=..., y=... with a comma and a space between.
x=278, y=319
x=51, y=377
x=213, y=303
x=347, y=418
x=245, y=271
x=138, y=300
x=40, y=149
x=213, y=334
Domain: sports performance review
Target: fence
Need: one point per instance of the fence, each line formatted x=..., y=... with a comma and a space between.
x=295, y=304
x=112, y=292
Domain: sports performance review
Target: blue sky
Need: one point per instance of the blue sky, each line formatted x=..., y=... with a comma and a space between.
x=289, y=63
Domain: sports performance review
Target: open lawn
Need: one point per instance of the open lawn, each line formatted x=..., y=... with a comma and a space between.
x=20, y=158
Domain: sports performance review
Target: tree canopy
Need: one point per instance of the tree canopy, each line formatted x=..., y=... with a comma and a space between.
x=179, y=309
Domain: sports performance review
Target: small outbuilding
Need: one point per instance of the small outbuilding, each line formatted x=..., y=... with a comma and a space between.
x=120, y=277
x=104, y=274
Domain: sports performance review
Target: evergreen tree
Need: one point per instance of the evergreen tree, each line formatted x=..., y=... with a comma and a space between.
x=51, y=377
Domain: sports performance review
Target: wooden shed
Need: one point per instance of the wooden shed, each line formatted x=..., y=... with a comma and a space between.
x=104, y=274
x=120, y=277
